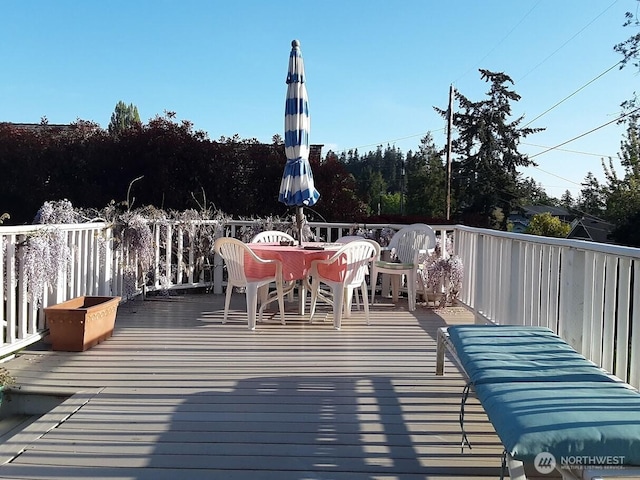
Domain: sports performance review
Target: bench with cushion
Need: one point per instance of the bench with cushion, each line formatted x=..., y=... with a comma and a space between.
x=543, y=397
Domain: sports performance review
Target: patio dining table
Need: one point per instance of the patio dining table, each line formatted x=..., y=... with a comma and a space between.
x=296, y=263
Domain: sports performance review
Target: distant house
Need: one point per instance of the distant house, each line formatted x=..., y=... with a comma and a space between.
x=520, y=219
x=585, y=227
x=560, y=212
x=518, y=222
x=38, y=127
x=592, y=229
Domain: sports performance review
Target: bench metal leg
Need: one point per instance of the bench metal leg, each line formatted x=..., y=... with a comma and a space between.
x=440, y=349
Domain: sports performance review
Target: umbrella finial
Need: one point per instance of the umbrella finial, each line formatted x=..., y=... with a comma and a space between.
x=295, y=44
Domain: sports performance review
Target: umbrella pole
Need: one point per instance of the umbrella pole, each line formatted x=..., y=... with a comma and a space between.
x=299, y=220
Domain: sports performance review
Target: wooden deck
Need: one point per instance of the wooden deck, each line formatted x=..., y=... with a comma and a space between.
x=176, y=394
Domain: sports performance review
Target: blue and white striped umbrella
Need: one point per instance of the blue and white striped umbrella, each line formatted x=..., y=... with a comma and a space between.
x=297, y=188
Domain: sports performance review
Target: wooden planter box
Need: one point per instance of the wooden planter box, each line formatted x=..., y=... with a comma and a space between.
x=82, y=322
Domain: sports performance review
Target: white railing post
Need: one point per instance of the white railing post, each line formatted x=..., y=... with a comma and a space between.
x=634, y=342
x=167, y=253
x=623, y=320
x=478, y=273
x=514, y=287
x=156, y=257
x=572, y=297
x=10, y=293
x=4, y=265
x=593, y=305
x=107, y=277
x=180, y=255
x=609, y=314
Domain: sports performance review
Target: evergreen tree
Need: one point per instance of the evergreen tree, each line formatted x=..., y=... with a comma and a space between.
x=567, y=200
x=426, y=180
x=623, y=194
x=394, y=169
x=623, y=202
x=123, y=118
x=531, y=192
x=592, y=197
x=484, y=176
x=630, y=48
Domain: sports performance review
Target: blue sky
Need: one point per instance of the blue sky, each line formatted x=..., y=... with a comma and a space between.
x=375, y=68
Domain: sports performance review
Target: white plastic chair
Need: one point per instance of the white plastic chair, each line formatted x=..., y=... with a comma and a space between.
x=343, y=272
x=406, y=244
x=272, y=236
x=246, y=269
x=356, y=238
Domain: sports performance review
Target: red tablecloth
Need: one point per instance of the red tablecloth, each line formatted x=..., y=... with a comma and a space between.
x=296, y=261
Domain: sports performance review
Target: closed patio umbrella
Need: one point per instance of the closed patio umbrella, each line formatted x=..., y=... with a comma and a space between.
x=297, y=188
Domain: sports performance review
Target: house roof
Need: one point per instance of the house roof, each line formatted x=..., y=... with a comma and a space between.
x=538, y=209
x=592, y=229
x=34, y=127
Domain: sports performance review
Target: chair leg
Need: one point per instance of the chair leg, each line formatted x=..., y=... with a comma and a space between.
x=348, y=300
x=227, y=302
x=395, y=287
x=302, y=296
x=338, y=299
x=374, y=282
x=411, y=290
x=315, y=286
x=357, y=298
x=252, y=302
x=365, y=301
x=280, y=290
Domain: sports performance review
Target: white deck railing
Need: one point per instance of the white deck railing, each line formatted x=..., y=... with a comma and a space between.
x=588, y=293
x=92, y=271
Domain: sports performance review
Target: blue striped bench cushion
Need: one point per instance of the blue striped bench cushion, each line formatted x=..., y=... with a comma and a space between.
x=509, y=353
x=564, y=418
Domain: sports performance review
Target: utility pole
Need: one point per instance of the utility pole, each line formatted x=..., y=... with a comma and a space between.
x=449, y=127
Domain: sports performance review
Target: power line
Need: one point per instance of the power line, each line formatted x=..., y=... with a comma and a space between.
x=568, y=151
x=572, y=94
x=586, y=133
x=557, y=176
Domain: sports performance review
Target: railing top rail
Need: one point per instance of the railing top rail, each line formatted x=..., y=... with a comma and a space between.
x=395, y=226
x=586, y=245
x=81, y=226
x=67, y=227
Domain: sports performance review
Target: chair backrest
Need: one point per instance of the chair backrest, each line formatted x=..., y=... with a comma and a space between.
x=272, y=236
x=350, y=238
x=410, y=240
x=243, y=265
x=233, y=252
x=349, y=265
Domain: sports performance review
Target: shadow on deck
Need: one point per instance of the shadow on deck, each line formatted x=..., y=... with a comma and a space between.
x=177, y=394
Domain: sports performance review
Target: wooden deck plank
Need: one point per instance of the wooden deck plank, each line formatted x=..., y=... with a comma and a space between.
x=29, y=472
x=182, y=395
